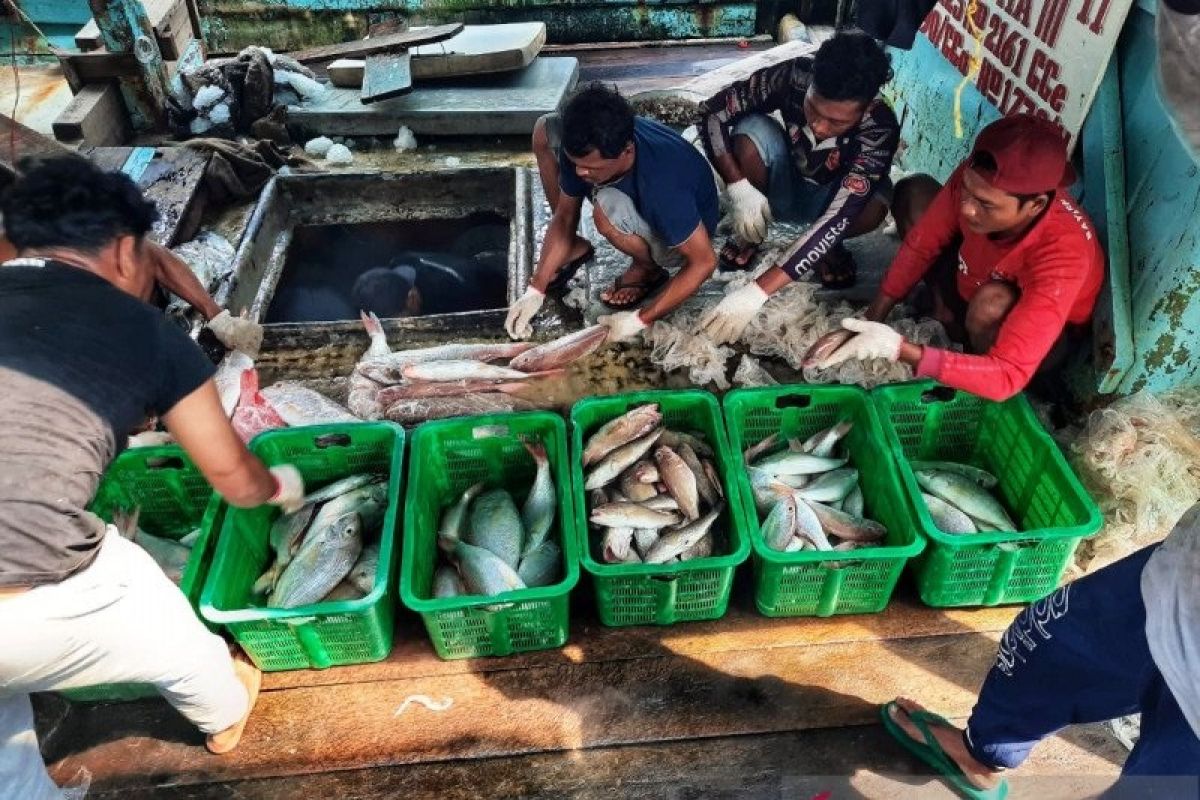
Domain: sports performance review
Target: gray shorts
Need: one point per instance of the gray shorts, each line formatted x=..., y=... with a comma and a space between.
x=618, y=207
x=793, y=197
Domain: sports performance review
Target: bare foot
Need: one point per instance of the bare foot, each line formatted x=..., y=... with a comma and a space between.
x=250, y=676
x=631, y=287
x=951, y=740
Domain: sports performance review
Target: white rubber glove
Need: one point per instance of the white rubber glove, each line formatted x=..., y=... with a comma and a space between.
x=237, y=333
x=750, y=210
x=724, y=322
x=874, y=340
x=623, y=325
x=519, y=315
x=289, y=488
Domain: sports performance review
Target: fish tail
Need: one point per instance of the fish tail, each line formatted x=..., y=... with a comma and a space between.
x=537, y=450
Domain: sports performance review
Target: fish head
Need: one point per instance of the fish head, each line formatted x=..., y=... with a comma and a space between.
x=347, y=526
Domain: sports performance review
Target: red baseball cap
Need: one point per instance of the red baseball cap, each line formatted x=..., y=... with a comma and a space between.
x=1030, y=155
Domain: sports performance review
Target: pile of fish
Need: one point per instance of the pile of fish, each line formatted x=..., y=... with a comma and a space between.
x=653, y=492
x=490, y=546
x=959, y=499
x=806, y=495
x=170, y=554
x=320, y=550
x=280, y=405
x=454, y=380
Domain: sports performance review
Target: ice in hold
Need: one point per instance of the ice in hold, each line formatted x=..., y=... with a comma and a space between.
x=405, y=140
x=207, y=96
x=453, y=161
x=339, y=154
x=318, y=147
x=200, y=125
x=219, y=113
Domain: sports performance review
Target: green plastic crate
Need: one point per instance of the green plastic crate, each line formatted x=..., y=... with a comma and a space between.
x=662, y=594
x=323, y=634
x=447, y=457
x=174, y=499
x=810, y=583
x=923, y=420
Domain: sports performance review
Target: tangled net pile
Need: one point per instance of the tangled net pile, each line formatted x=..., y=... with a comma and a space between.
x=1140, y=460
x=790, y=322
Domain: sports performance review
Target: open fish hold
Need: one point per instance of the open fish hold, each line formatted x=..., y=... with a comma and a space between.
x=808, y=568
x=690, y=572
x=328, y=631
x=489, y=547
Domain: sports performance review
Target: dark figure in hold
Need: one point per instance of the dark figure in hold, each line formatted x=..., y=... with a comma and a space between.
x=430, y=283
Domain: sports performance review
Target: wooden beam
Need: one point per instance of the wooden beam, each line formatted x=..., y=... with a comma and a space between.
x=96, y=116
x=169, y=18
x=381, y=44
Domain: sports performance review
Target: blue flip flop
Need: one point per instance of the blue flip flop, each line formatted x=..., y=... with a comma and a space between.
x=931, y=752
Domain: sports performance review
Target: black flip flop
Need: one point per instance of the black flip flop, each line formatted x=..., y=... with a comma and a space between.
x=750, y=251
x=569, y=269
x=647, y=287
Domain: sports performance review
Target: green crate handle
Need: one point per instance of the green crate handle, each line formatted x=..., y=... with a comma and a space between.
x=314, y=648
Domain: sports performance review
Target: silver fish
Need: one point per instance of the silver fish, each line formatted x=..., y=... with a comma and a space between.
x=632, y=425
x=663, y=502
x=714, y=478
x=324, y=559
x=633, y=515
x=485, y=573
x=765, y=446
x=845, y=526
x=831, y=487
x=982, y=477
x=190, y=539
x=701, y=549
x=967, y=496
x=284, y=538
x=645, y=471
x=615, y=545
x=446, y=583
x=634, y=489
x=537, y=515
x=708, y=493
x=780, y=525
x=789, y=463
x=541, y=566
x=679, y=479
x=421, y=409
x=853, y=504
x=619, y=460
x=382, y=356
x=495, y=525
x=228, y=379
x=454, y=519
x=644, y=539
x=415, y=390
x=825, y=346
x=676, y=542
x=822, y=443
x=362, y=574
x=340, y=487
x=369, y=502
x=561, y=351
x=299, y=405
x=169, y=554
x=460, y=370
x=946, y=517
x=673, y=440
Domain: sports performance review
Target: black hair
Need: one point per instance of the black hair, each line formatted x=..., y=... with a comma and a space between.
x=69, y=202
x=850, y=66
x=985, y=162
x=383, y=291
x=597, y=118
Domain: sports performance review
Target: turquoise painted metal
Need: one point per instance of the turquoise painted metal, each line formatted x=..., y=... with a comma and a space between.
x=1140, y=184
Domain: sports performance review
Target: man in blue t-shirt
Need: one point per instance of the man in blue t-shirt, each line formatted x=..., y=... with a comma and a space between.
x=654, y=197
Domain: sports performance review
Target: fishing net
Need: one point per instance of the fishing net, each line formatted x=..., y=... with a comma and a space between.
x=752, y=373
x=1140, y=460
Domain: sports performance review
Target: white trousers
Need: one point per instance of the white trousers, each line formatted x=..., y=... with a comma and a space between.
x=121, y=620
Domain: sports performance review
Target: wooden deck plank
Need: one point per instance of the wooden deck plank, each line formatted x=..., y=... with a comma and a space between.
x=569, y=705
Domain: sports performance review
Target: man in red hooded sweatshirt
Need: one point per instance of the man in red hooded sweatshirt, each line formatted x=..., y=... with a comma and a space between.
x=1024, y=268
